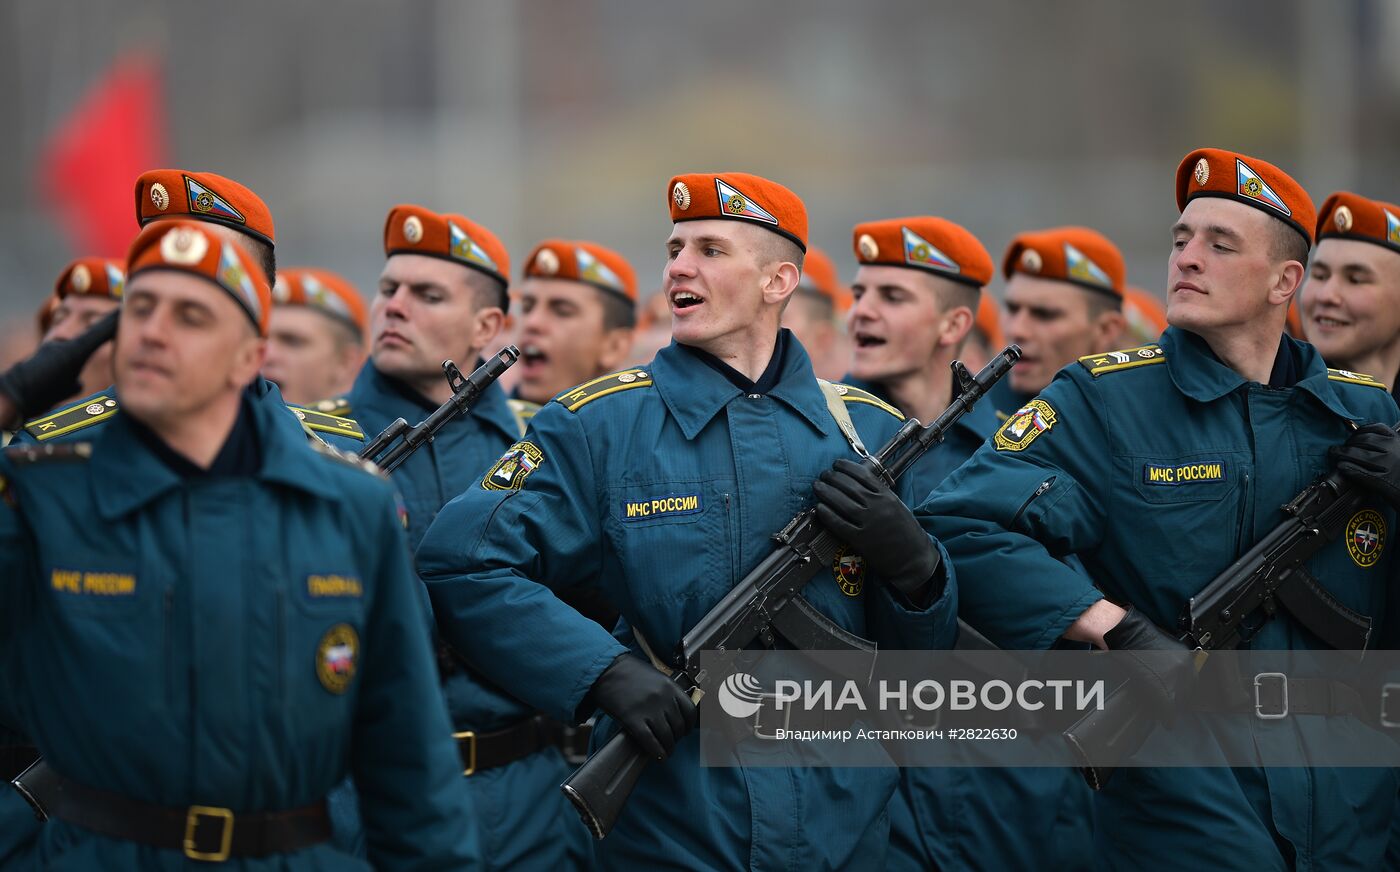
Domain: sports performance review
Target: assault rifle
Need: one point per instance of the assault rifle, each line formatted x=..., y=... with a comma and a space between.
x=1271, y=575
x=398, y=441
x=768, y=604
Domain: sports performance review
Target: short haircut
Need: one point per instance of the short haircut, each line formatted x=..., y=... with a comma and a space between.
x=487, y=291
x=265, y=255
x=1101, y=302
x=780, y=249
x=951, y=294
x=1288, y=244
x=618, y=311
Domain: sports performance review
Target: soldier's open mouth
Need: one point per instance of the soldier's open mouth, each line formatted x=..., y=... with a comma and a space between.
x=531, y=354
x=685, y=300
x=864, y=341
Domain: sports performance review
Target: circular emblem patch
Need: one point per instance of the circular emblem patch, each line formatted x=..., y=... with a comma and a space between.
x=547, y=262
x=735, y=205
x=1342, y=218
x=184, y=246
x=82, y=278
x=680, y=194
x=849, y=570
x=1366, y=537
x=96, y=409
x=336, y=656
x=413, y=229
x=1202, y=171
x=1030, y=261
x=869, y=248
x=204, y=202
x=160, y=198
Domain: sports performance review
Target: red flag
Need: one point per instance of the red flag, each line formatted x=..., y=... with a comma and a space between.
x=89, y=165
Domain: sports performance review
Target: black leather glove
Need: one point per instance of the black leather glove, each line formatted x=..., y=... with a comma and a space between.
x=650, y=707
x=1160, y=665
x=37, y=383
x=857, y=506
x=1371, y=458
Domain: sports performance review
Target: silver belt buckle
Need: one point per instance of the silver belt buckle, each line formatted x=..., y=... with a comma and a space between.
x=759, y=725
x=1259, y=680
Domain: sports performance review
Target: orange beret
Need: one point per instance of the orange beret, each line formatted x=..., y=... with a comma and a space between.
x=819, y=275
x=1215, y=172
x=741, y=197
x=412, y=229
x=95, y=276
x=1146, y=315
x=324, y=290
x=44, y=316
x=924, y=242
x=1345, y=215
x=205, y=197
x=988, y=321
x=183, y=246
x=586, y=262
x=1069, y=254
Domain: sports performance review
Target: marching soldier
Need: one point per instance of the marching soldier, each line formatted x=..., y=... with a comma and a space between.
x=578, y=309
x=1351, y=303
x=442, y=294
x=731, y=427
x=815, y=311
x=919, y=281
x=1064, y=299
x=316, y=342
x=208, y=624
x=1071, y=473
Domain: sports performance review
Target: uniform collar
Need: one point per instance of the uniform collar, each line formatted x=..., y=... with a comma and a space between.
x=393, y=399
x=126, y=474
x=694, y=392
x=1199, y=374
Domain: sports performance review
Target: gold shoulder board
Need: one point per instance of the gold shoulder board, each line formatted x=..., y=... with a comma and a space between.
x=1129, y=358
x=589, y=391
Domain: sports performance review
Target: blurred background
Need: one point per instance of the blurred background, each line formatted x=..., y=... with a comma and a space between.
x=567, y=118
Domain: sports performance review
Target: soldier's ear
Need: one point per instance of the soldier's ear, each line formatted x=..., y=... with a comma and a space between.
x=781, y=283
x=1286, y=284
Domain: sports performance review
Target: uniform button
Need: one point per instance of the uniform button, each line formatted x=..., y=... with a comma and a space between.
x=755, y=396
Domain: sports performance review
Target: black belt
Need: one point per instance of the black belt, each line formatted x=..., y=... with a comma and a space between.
x=14, y=759
x=1273, y=696
x=482, y=751
x=202, y=832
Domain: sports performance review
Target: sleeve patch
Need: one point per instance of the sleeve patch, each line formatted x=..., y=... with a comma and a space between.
x=578, y=397
x=72, y=418
x=509, y=473
x=1025, y=426
x=1130, y=358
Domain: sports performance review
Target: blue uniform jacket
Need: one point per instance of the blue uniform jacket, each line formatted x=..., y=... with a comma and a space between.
x=242, y=642
x=524, y=822
x=973, y=816
x=1157, y=467
x=662, y=485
